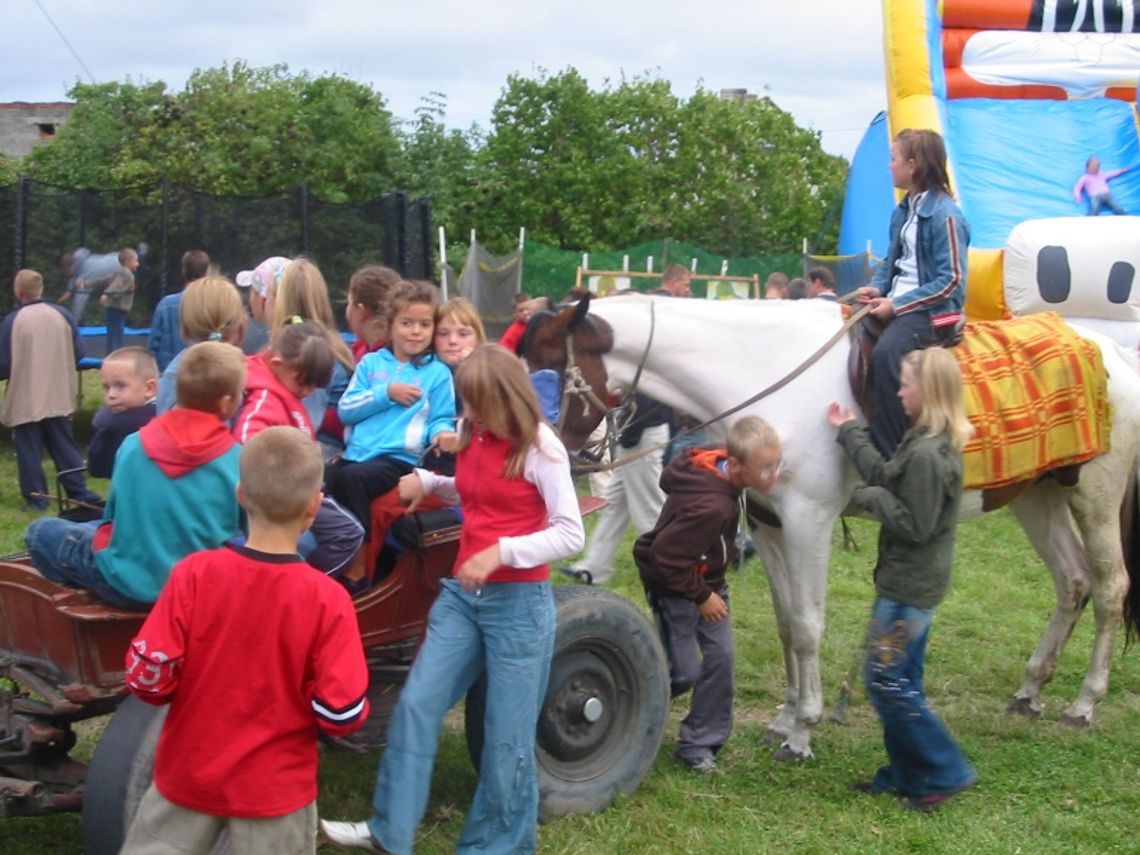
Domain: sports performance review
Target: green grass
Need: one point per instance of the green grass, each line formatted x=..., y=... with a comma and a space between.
x=1044, y=788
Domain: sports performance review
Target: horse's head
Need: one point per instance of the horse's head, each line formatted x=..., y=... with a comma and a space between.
x=571, y=342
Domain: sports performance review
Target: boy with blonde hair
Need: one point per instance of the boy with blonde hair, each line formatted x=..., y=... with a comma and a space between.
x=40, y=348
x=301, y=658
x=172, y=492
x=682, y=562
x=130, y=381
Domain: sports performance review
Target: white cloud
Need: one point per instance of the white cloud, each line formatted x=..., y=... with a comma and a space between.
x=825, y=67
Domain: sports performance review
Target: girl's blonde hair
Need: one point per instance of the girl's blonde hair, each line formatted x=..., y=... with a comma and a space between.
x=211, y=310
x=940, y=380
x=495, y=390
x=464, y=312
x=303, y=293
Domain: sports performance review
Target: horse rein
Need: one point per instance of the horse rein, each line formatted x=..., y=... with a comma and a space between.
x=848, y=325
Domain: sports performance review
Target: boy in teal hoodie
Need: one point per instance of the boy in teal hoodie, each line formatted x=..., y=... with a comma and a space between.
x=173, y=492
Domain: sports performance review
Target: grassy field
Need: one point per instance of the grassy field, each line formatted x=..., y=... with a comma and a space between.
x=1044, y=788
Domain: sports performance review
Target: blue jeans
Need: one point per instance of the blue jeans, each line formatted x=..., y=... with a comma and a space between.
x=62, y=552
x=1098, y=203
x=55, y=433
x=907, y=332
x=507, y=630
x=116, y=324
x=924, y=758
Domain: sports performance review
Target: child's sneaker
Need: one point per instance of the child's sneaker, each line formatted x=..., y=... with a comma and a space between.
x=704, y=765
x=936, y=800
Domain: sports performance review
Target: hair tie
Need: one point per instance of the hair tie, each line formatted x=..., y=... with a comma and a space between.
x=296, y=319
x=214, y=336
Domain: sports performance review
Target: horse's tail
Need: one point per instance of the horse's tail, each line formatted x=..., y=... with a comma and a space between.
x=1130, y=532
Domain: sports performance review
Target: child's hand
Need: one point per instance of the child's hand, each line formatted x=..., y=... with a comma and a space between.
x=404, y=394
x=103, y=300
x=446, y=441
x=838, y=416
x=865, y=294
x=411, y=490
x=713, y=609
x=882, y=308
x=474, y=571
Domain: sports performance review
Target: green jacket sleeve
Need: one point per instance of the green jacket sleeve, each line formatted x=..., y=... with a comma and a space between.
x=911, y=511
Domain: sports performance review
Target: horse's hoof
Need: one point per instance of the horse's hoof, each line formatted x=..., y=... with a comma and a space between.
x=1023, y=707
x=1077, y=722
x=784, y=754
x=774, y=737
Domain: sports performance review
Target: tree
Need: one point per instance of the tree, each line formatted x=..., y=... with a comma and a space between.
x=439, y=163
x=634, y=163
x=97, y=135
x=232, y=130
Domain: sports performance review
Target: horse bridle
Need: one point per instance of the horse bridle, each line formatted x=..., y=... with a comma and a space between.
x=575, y=384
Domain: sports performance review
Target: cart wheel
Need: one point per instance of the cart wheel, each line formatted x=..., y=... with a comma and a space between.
x=606, y=705
x=119, y=775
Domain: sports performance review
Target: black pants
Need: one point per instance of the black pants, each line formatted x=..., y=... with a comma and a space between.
x=30, y=439
x=355, y=485
x=912, y=331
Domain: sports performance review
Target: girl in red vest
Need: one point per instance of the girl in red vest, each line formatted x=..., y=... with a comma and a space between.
x=495, y=616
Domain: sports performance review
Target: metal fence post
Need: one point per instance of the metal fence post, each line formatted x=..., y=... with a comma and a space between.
x=164, y=245
x=424, y=206
x=402, y=233
x=22, y=205
x=305, y=218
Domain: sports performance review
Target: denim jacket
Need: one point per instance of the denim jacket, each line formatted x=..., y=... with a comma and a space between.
x=943, y=238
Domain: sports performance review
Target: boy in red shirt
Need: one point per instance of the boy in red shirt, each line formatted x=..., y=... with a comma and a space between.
x=248, y=642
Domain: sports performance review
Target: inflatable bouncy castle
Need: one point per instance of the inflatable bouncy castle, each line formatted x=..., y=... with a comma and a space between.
x=1023, y=92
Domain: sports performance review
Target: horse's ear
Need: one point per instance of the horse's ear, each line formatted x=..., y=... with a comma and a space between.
x=580, y=312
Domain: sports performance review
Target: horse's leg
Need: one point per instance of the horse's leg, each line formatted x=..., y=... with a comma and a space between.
x=804, y=571
x=1096, y=507
x=1044, y=514
x=769, y=543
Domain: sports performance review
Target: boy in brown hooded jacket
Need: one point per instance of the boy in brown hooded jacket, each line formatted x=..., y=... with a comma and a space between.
x=682, y=563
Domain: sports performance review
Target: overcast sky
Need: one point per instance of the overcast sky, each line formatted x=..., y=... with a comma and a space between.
x=820, y=60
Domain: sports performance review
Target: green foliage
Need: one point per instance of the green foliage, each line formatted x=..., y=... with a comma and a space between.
x=635, y=163
x=232, y=130
x=441, y=164
x=579, y=168
x=9, y=171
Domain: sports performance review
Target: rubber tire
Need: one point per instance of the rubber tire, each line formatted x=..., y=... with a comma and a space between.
x=119, y=775
x=605, y=640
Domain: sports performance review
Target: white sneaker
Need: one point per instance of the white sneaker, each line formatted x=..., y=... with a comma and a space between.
x=351, y=835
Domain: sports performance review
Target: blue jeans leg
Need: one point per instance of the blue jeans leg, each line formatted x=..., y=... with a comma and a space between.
x=66, y=456
x=79, y=304
x=912, y=331
x=449, y=661
x=924, y=758
x=517, y=623
x=116, y=323
x=29, y=443
x=62, y=552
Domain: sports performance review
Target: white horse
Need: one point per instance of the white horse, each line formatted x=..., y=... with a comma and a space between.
x=704, y=357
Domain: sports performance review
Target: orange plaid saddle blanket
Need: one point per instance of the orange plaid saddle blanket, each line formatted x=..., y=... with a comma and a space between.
x=1037, y=395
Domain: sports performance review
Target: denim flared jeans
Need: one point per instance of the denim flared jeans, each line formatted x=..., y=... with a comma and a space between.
x=924, y=758
x=506, y=630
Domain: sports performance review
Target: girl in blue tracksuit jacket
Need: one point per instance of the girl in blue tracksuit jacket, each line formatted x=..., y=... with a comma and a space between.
x=399, y=401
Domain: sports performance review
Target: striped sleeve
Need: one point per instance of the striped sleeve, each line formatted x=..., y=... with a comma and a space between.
x=339, y=698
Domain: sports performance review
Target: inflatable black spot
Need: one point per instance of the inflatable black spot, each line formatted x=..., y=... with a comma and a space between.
x=1120, y=281
x=1054, y=279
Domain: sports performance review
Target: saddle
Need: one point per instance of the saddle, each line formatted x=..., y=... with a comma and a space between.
x=1036, y=394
